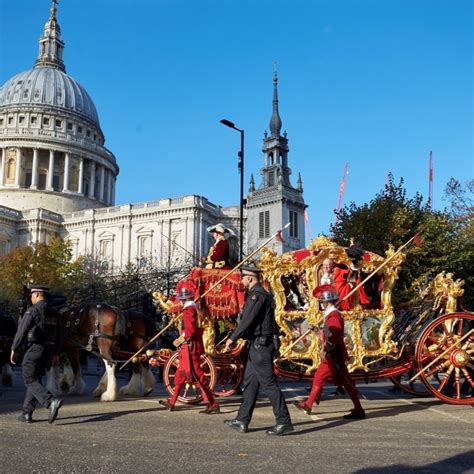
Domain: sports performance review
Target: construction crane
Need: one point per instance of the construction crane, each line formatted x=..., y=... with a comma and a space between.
x=430, y=180
x=342, y=187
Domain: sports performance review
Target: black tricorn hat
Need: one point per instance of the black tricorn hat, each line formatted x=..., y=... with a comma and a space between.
x=355, y=252
x=251, y=270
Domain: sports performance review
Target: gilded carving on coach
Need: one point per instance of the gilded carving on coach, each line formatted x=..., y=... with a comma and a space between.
x=293, y=277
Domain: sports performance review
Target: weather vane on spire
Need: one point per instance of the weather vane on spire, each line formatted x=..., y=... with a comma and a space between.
x=54, y=7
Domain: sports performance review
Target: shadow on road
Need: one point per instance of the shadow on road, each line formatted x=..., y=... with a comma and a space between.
x=461, y=463
x=375, y=413
x=98, y=417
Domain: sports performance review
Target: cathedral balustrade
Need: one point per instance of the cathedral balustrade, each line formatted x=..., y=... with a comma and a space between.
x=82, y=143
x=10, y=213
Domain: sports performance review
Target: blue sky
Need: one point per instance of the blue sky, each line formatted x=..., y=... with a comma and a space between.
x=375, y=83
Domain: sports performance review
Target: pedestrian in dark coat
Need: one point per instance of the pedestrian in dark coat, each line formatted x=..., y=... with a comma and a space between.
x=257, y=325
x=38, y=331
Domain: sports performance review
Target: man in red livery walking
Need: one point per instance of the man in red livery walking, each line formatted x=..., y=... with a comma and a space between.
x=191, y=349
x=333, y=356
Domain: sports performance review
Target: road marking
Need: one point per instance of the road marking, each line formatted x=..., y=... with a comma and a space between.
x=435, y=410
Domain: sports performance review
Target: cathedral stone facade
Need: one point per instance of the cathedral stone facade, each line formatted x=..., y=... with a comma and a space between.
x=57, y=179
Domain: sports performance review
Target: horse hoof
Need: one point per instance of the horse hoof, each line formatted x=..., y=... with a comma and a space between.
x=108, y=397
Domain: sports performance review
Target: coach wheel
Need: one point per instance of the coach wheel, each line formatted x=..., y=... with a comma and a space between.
x=190, y=393
x=446, y=350
x=415, y=388
x=229, y=377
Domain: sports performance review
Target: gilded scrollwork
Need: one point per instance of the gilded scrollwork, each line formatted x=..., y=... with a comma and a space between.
x=292, y=277
x=370, y=331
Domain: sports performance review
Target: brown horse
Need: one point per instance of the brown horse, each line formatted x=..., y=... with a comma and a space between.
x=110, y=334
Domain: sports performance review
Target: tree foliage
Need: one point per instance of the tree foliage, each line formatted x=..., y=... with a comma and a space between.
x=393, y=218
x=87, y=278
x=46, y=264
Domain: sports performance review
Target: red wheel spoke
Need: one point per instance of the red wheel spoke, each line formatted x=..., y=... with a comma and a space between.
x=468, y=377
x=457, y=381
x=445, y=379
x=467, y=344
x=437, y=368
x=460, y=325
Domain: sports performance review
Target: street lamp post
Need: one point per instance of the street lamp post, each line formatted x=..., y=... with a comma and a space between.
x=240, y=166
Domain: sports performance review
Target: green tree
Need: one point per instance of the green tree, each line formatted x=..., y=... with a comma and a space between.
x=461, y=209
x=47, y=264
x=393, y=218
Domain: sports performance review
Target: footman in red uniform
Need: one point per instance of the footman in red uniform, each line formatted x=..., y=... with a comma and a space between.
x=333, y=356
x=191, y=349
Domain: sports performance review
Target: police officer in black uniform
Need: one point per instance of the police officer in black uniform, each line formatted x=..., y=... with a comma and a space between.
x=257, y=325
x=38, y=330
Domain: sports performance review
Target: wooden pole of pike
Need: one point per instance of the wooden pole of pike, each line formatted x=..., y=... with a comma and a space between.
x=176, y=318
x=293, y=344
x=441, y=355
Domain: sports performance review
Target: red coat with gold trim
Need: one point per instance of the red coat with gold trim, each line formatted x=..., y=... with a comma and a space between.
x=191, y=332
x=344, y=287
x=218, y=256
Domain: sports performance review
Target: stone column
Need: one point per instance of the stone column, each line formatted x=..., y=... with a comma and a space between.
x=113, y=191
x=102, y=183
x=50, y=171
x=18, y=167
x=34, y=170
x=92, y=181
x=2, y=167
x=80, y=184
x=66, y=173
x=109, y=188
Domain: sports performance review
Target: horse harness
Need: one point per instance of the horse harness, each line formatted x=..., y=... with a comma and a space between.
x=73, y=327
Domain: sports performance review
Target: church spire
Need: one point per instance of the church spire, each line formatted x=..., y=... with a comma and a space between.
x=275, y=121
x=50, y=44
x=252, y=184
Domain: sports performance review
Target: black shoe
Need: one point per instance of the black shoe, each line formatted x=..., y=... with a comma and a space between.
x=166, y=404
x=211, y=410
x=237, y=425
x=301, y=406
x=54, y=407
x=355, y=415
x=26, y=418
x=280, y=430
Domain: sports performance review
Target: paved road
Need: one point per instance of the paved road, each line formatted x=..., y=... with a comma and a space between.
x=400, y=434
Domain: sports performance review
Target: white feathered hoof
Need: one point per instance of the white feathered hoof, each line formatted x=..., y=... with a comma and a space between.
x=134, y=388
x=98, y=392
x=148, y=381
x=108, y=397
